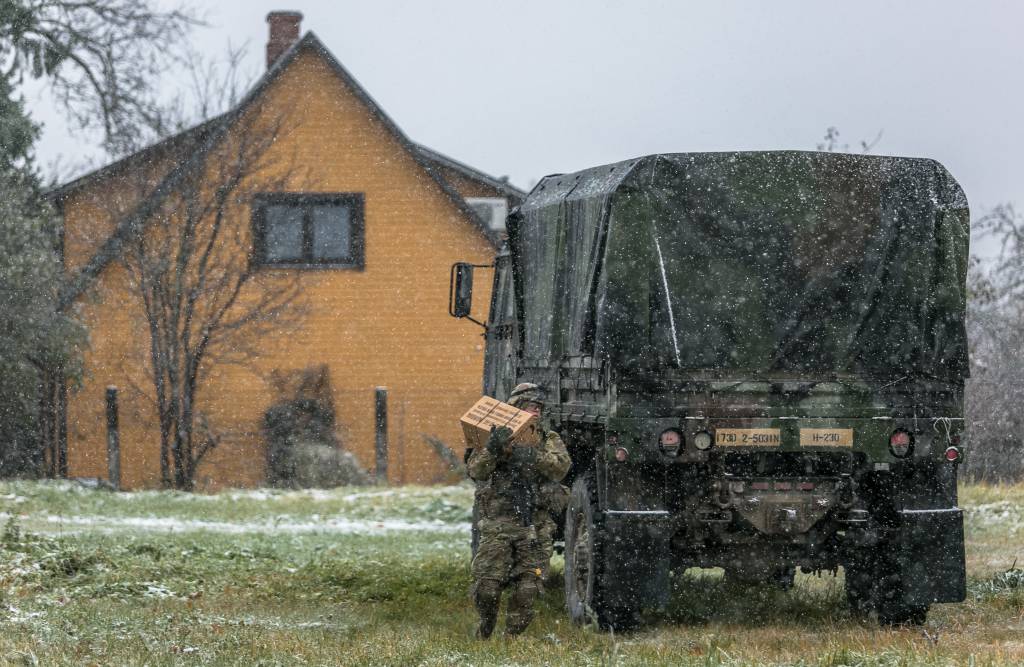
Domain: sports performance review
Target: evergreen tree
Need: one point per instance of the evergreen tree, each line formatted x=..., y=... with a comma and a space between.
x=100, y=58
x=34, y=336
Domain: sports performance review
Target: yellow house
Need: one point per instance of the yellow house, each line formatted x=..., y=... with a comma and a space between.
x=358, y=224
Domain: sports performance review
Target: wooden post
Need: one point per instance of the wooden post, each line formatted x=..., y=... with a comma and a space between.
x=381, y=448
x=62, y=427
x=113, y=440
x=47, y=427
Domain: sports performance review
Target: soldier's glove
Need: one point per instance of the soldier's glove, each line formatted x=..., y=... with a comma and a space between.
x=496, y=442
x=524, y=455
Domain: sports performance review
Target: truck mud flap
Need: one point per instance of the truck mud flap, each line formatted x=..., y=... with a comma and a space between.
x=932, y=556
x=637, y=560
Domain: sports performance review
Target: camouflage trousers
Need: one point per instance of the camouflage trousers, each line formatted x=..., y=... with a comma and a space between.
x=508, y=554
x=546, y=537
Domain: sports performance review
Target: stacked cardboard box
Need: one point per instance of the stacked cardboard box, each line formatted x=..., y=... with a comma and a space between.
x=488, y=412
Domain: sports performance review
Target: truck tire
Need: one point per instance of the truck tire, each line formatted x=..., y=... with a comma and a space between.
x=784, y=577
x=874, y=582
x=585, y=598
x=889, y=604
x=860, y=584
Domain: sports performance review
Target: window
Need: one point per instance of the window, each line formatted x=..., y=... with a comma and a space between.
x=309, y=230
x=492, y=210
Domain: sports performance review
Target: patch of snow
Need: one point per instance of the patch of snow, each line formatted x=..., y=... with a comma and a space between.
x=335, y=525
x=265, y=494
x=19, y=616
x=387, y=493
x=266, y=622
x=251, y=494
x=396, y=493
x=1005, y=514
x=155, y=590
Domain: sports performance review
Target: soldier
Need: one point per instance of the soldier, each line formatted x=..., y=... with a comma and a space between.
x=552, y=497
x=510, y=551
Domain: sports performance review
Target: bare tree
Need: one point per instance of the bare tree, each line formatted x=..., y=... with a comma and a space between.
x=830, y=142
x=102, y=58
x=995, y=391
x=994, y=394
x=191, y=264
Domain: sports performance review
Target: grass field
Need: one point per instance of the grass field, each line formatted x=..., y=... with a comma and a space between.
x=380, y=577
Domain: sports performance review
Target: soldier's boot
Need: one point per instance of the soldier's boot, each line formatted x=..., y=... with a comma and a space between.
x=520, y=604
x=487, y=598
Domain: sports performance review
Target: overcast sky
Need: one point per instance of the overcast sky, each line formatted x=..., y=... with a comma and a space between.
x=528, y=88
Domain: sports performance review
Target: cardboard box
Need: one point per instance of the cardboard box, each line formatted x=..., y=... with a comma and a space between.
x=488, y=412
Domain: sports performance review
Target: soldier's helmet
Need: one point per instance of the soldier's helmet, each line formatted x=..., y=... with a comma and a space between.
x=526, y=392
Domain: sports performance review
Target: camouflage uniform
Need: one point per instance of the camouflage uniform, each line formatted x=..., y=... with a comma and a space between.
x=510, y=551
x=552, y=501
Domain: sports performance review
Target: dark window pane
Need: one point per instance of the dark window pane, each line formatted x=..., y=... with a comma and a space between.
x=332, y=232
x=283, y=233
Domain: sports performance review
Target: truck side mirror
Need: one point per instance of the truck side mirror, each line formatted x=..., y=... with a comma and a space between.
x=460, y=295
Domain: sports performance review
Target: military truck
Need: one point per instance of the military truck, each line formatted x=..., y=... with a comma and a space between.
x=757, y=362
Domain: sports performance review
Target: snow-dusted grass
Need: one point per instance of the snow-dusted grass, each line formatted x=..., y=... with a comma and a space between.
x=62, y=498
x=994, y=526
x=380, y=577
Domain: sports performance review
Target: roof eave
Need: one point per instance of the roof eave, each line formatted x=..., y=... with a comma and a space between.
x=464, y=169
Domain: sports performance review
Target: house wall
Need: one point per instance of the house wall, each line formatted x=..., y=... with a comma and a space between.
x=386, y=325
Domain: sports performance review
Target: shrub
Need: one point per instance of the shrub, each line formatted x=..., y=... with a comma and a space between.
x=303, y=449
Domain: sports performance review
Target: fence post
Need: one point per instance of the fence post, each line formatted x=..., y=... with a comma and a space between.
x=62, y=429
x=113, y=440
x=381, y=444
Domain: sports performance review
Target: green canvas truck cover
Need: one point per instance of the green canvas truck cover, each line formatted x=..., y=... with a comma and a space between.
x=757, y=263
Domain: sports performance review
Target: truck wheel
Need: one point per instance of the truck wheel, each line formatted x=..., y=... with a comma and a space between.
x=875, y=582
x=891, y=608
x=888, y=598
x=584, y=560
x=859, y=591
x=783, y=578
x=859, y=576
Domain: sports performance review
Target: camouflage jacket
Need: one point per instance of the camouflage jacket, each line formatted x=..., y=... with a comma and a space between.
x=506, y=482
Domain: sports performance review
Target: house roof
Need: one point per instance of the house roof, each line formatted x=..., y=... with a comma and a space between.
x=500, y=184
x=168, y=144
x=205, y=136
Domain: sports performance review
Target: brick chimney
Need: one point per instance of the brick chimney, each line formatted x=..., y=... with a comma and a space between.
x=284, y=31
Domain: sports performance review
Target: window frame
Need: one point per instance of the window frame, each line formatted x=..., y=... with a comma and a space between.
x=354, y=201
